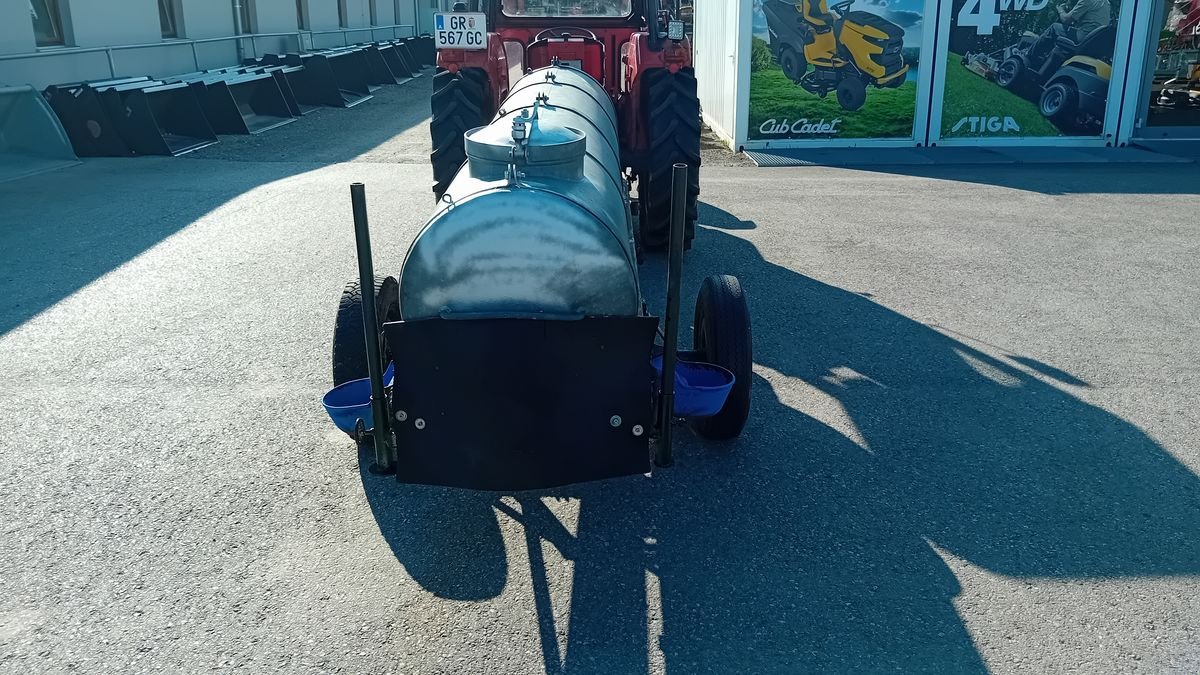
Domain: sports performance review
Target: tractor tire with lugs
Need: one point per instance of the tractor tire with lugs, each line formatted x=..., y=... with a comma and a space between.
x=721, y=334
x=349, y=340
x=672, y=118
x=461, y=101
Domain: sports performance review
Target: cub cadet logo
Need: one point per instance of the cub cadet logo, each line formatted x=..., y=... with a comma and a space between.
x=984, y=15
x=801, y=126
x=981, y=125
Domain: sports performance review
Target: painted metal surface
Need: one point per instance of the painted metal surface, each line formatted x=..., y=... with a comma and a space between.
x=537, y=224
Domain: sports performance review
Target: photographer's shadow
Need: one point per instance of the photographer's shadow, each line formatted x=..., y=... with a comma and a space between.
x=812, y=542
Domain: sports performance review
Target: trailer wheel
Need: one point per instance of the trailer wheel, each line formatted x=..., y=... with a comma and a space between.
x=349, y=345
x=672, y=119
x=722, y=334
x=461, y=101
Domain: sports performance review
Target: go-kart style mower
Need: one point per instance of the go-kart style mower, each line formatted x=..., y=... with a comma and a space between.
x=848, y=50
x=1182, y=92
x=515, y=350
x=636, y=49
x=1070, y=80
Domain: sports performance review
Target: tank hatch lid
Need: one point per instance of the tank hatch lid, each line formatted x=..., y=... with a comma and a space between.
x=538, y=142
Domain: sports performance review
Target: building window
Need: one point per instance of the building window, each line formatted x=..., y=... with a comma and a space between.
x=166, y=18
x=343, y=14
x=302, y=14
x=47, y=22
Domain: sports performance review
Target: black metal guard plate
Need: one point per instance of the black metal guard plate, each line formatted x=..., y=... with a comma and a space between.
x=519, y=404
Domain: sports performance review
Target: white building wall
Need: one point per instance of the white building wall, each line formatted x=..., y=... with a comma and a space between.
x=723, y=65
x=106, y=23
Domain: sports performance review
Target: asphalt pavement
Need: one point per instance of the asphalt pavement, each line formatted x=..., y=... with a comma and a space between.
x=974, y=443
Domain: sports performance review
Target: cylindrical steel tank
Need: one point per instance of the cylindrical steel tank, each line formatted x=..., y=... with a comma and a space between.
x=537, y=223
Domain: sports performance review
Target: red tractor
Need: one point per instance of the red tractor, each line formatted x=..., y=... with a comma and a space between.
x=635, y=49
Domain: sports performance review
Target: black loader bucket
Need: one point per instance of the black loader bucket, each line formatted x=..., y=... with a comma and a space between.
x=280, y=73
x=350, y=68
x=391, y=57
x=156, y=118
x=259, y=101
x=240, y=103
x=407, y=58
x=88, y=126
x=31, y=138
x=426, y=51
x=378, y=70
x=314, y=82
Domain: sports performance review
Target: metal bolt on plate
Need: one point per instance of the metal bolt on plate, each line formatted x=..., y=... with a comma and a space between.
x=615, y=421
x=401, y=416
x=638, y=430
x=419, y=424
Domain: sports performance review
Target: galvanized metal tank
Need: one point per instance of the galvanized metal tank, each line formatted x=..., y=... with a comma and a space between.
x=537, y=223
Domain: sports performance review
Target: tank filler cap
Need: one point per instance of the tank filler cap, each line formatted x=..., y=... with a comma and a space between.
x=537, y=147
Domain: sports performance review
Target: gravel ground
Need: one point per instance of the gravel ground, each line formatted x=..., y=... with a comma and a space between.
x=974, y=444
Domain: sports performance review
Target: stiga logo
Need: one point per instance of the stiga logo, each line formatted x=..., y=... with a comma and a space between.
x=982, y=125
x=802, y=126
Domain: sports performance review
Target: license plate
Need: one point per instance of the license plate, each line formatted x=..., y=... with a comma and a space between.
x=460, y=30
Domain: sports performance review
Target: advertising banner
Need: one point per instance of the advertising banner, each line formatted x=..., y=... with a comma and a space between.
x=1028, y=68
x=822, y=70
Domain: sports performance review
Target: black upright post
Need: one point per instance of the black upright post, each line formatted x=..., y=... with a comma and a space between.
x=664, y=455
x=384, y=455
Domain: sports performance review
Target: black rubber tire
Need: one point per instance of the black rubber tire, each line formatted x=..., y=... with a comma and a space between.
x=349, y=345
x=1059, y=103
x=460, y=102
x=851, y=93
x=793, y=64
x=672, y=118
x=1009, y=73
x=721, y=333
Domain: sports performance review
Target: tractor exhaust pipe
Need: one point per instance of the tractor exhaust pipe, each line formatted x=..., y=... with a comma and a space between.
x=664, y=453
x=384, y=450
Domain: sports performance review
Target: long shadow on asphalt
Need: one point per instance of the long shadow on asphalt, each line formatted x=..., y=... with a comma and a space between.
x=62, y=230
x=807, y=548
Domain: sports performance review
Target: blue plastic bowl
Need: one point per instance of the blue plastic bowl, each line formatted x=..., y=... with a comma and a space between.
x=350, y=402
x=701, y=389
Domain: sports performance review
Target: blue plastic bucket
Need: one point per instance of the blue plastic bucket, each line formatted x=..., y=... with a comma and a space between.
x=350, y=402
x=701, y=389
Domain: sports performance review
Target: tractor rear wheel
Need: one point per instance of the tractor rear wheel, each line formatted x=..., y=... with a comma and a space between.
x=461, y=101
x=721, y=333
x=349, y=341
x=671, y=116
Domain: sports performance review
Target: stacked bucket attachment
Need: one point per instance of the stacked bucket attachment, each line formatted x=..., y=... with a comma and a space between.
x=240, y=103
x=175, y=115
x=31, y=138
x=154, y=117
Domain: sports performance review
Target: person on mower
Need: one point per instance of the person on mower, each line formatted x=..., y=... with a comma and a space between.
x=1075, y=22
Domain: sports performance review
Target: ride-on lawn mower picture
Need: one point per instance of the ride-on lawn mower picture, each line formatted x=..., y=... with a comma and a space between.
x=515, y=349
x=848, y=50
x=1069, y=82
x=635, y=49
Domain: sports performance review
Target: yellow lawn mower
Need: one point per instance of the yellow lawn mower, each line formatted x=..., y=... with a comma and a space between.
x=848, y=50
